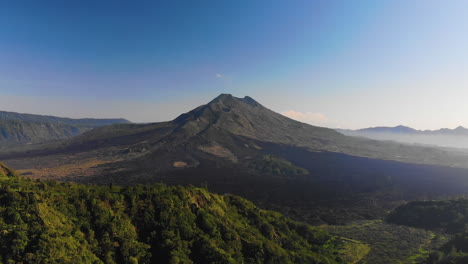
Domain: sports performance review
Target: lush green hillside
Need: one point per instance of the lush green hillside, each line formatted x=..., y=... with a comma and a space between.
x=52, y=222
x=450, y=216
x=389, y=243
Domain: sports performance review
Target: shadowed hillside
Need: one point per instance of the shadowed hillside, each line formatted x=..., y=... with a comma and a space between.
x=18, y=128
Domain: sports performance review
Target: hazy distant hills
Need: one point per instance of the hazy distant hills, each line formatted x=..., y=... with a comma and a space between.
x=445, y=137
x=27, y=128
x=459, y=131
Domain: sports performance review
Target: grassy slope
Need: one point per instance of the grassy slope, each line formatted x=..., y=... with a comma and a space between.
x=390, y=243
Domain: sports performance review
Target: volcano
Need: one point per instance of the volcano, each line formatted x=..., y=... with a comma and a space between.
x=236, y=145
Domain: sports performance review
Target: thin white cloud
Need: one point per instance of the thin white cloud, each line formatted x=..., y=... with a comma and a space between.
x=219, y=75
x=307, y=117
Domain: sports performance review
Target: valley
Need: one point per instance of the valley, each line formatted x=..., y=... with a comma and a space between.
x=233, y=132
x=320, y=177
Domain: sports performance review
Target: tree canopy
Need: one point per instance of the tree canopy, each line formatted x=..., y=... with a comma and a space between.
x=54, y=222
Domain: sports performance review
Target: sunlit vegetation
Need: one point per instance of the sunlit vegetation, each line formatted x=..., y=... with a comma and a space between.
x=449, y=216
x=52, y=222
x=390, y=243
x=353, y=251
x=80, y=169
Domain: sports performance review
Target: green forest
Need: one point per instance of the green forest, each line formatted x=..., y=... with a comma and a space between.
x=446, y=216
x=54, y=222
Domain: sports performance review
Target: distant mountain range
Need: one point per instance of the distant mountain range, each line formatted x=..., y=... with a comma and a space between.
x=16, y=128
x=459, y=131
x=444, y=137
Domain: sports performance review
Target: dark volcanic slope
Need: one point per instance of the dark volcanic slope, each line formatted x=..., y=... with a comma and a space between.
x=27, y=128
x=247, y=118
x=228, y=127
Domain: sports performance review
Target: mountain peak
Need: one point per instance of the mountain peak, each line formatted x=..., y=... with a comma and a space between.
x=222, y=98
x=229, y=99
x=249, y=100
x=223, y=104
x=246, y=117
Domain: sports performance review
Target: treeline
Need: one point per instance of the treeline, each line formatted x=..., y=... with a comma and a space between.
x=449, y=216
x=53, y=222
x=274, y=165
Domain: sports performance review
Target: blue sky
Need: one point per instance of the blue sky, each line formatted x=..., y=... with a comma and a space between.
x=332, y=63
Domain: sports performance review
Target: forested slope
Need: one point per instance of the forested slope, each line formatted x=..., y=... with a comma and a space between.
x=450, y=216
x=52, y=222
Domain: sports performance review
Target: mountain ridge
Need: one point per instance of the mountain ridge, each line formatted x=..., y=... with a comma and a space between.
x=460, y=130
x=18, y=128
x=444, y=137
x=7, y=115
